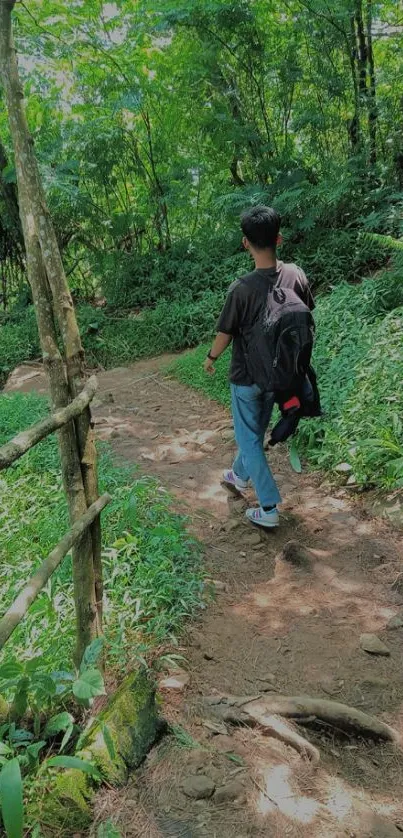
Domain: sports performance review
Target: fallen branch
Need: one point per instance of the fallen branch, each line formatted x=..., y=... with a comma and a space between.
x=13, y=450
x=25, y=598
x=304, y=709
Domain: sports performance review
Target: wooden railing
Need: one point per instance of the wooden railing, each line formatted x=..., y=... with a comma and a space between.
x=12, y=451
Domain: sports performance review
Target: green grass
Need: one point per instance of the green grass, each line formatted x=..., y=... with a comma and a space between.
x=359, y=361
x=152, y=567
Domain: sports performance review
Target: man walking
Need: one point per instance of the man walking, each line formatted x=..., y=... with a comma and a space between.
x=252, y=405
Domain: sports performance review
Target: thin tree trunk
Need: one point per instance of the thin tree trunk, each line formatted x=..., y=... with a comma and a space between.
x=371, y=98
x=354, y=127
x=46, y=277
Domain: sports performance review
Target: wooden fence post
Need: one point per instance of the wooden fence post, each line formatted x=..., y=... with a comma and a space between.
x=76, y=445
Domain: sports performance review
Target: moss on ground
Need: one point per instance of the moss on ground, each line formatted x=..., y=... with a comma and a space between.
x=116, y=742
x=123, y=733
x=65, y=808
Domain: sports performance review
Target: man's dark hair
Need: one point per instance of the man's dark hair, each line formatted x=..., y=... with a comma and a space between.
x=261, y=226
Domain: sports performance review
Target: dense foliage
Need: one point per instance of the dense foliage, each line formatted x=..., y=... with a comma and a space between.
x=155, y=122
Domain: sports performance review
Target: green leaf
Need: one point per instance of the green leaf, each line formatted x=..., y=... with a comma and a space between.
x=66, y=738
x=74, y=762
x=34, y=750
x=12, y=807
x=108, y=741
x=108, y=830
x=20, y=701
x=89, y=684
x=295, y=461
x=92, y=654
x=4, y=749
x=57, y=724
x=45, y=686
x=10, y=670
x=33, y=664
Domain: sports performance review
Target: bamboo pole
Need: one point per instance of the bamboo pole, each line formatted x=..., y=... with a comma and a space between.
x=32, y=204
x=62, y=302
x=25, y=598
x=20, y=444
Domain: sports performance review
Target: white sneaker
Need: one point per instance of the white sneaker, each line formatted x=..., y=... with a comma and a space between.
x=232, y=479
x=263, y=519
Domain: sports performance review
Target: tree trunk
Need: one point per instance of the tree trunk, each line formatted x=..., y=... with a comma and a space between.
x=48, y=283
x=371, y=98
x=354, y=126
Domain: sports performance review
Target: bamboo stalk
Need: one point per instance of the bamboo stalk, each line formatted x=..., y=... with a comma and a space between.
x=20, y=444
x=33, y=210
x=25, y=598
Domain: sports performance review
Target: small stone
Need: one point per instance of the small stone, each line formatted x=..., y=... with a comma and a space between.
x=199, y=787
x=381, y=828
x=395, y=622
x=208, y=656
x=208, y=448
x=178, y=681
x=374, y=684
x=270, y=678
x=198, y=759
x=242, y=555
x=254, y=539
x=352, y=481
x=231, y=791
x=343, y=468
x=266, y=687
x=228, y=745
x=227, y=433
x=232, y=525
x=331, y=686
x=296, y=555
x=373, y=645
x=216, y=728
x=219, y=586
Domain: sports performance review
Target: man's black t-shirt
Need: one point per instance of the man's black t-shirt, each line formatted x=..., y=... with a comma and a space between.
x=245, y=299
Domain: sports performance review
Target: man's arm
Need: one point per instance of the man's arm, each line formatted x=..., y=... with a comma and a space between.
x=219, y=346
x=227, y=327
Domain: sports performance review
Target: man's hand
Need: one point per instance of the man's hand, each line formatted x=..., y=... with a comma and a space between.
x=209, y=366
x=219, y=346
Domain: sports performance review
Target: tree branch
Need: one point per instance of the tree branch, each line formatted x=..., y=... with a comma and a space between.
x=25, y=598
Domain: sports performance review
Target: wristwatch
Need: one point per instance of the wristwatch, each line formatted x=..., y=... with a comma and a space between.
x=211, y=357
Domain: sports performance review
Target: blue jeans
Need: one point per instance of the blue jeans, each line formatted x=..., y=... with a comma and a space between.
x=251, y=410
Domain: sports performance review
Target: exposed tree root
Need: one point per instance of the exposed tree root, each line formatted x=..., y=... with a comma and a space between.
x=279, y=729
x=304, y=709
x=269, y=713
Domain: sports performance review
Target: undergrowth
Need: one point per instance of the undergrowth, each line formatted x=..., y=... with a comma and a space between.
x=359, y=360
x=152, y=566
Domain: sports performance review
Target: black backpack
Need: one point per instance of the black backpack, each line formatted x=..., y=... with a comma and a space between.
x=280, y=341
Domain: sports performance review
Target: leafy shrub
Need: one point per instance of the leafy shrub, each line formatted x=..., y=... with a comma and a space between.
x=135, y=281
x=18, y=342
x=168, y=327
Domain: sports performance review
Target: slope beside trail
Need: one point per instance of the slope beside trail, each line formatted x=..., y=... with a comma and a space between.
x=274, y=626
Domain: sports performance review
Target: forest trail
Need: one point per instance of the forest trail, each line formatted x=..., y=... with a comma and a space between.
x=273, y=627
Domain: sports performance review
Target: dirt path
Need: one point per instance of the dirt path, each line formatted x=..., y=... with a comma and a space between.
x=274, y=626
